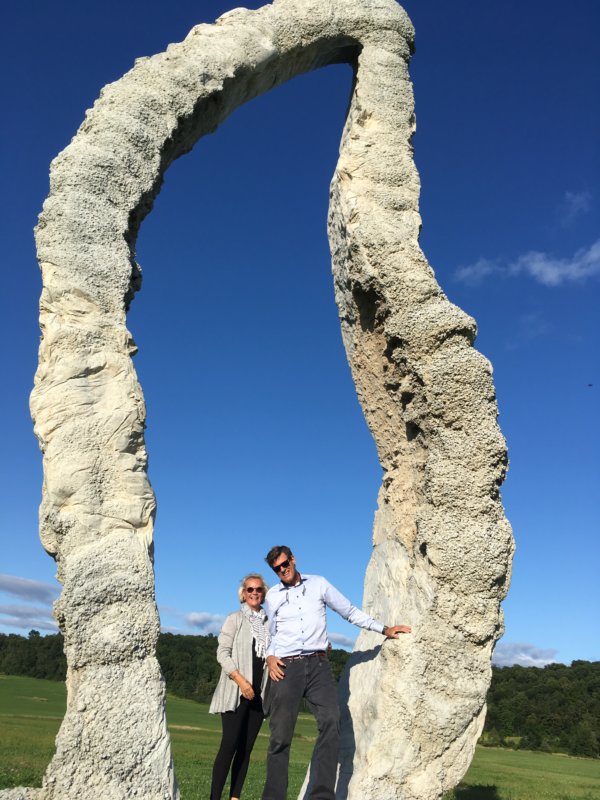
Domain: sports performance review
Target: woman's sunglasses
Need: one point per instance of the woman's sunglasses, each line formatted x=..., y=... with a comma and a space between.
x=252, y=589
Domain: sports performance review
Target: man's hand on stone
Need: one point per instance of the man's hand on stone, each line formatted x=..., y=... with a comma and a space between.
x=394, y=631
x=276, y=668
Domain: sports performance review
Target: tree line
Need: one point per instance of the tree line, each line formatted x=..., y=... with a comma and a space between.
x=555, y=708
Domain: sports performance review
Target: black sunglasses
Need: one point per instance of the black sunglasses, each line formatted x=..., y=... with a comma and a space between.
x=284, y=565
x=252, y=589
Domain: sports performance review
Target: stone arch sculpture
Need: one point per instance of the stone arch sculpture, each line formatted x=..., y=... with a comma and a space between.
x=413, y=709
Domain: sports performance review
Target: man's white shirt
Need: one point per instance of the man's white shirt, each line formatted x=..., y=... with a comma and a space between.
x=297, y=616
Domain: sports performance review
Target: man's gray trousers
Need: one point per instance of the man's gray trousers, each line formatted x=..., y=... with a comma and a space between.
x=309, y=677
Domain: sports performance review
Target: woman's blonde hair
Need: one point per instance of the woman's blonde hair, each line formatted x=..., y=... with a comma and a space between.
x=247, y=577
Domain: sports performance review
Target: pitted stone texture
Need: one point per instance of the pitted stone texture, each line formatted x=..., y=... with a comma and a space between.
x=413, y=708
x=105, y=738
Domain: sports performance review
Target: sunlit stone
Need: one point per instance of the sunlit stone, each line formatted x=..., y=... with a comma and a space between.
x=412, y=709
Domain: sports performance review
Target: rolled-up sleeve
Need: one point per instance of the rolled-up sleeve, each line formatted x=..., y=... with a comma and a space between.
x=340, y=604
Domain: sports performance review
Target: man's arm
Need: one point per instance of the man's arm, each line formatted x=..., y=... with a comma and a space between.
x=275, y=665
x=336, y=600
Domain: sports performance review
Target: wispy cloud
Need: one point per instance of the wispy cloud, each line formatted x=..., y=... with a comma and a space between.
x=507, y=654
x=26, y=589
x=476, y=273
x=339, y=638
x=532, y=325
x=574, y=205
x=542, y=267
x=526, y=328
x=204, y=622
x=200, y=622
x=554, y=271
x=173, y=629
x=26, y=618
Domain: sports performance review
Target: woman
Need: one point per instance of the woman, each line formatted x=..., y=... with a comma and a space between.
x=241, y=653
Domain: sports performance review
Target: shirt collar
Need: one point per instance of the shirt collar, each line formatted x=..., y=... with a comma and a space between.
x=282, y=587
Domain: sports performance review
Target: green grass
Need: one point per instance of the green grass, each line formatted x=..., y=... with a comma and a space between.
x=195, y=735
x=498, y=774
x=31, y=711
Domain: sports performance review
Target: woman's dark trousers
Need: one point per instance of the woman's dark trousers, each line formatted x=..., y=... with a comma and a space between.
x=311, y=678
x=240, y=729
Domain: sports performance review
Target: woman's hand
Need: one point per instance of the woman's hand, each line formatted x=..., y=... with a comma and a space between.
x=244, y=684
x=246, y=689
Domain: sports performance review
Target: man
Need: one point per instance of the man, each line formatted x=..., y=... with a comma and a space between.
x=298, y=667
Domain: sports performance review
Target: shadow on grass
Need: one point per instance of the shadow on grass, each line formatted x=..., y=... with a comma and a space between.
x=479, y=792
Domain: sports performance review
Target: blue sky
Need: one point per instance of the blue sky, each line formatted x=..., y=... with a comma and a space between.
x=254, y=431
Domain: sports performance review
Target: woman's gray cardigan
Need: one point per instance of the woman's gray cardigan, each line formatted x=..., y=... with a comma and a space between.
x=234, y=652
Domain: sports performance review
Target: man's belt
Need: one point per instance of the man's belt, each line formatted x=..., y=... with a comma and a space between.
x=304, y=655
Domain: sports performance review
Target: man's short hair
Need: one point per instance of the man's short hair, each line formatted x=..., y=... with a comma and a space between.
x=275, y=552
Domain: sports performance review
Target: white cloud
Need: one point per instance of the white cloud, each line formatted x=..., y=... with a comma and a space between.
x=542, y=267
x=199, y=622
x=507, y=654
x=27, y=589
x=474, y=274
x=204, y=622
x=339, y=638
x=574, y=205
x=173, y=629
x=26, y=618
x=553, y=271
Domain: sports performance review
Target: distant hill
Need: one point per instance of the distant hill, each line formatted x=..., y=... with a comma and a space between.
x=188, y=663
x=556, y=708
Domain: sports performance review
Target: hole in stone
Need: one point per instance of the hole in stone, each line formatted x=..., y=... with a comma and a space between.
x=406, y=398
x=395, y=344
x=412, y=431
x=369, y=304
x=423, y=549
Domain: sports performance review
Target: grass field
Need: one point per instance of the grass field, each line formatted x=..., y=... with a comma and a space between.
x=31, y=711
x=498, y=774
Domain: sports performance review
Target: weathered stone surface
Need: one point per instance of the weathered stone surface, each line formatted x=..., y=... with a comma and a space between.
x=442, y=547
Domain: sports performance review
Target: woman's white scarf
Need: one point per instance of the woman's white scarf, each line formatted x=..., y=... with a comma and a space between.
x=260, y=635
